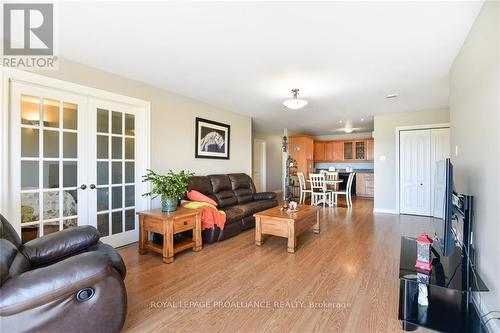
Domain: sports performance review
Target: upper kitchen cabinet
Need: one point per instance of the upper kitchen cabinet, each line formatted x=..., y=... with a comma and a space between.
x=343, y=151
x=337, y=150
x=370, y=150
x=319, y=151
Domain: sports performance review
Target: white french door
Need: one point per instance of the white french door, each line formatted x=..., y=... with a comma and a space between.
x=113, y=172
x=420, y=150
x=74, y=161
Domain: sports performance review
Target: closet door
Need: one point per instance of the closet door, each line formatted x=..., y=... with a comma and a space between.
x=115, y=169
x=415, y=172
x=48, y=173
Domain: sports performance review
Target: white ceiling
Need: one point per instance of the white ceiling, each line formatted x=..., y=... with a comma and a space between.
x=246, y=56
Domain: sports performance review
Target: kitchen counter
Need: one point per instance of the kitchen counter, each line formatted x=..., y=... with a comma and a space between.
x=355, y=170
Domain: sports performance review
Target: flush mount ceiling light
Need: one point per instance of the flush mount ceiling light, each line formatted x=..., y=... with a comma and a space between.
x=295, y=103
x=391, y=96
x=348, y=130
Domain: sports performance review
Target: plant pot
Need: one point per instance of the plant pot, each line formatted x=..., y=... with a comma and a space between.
x=169, y=204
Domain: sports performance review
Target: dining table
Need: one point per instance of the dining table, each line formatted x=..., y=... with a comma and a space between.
x=329, y=182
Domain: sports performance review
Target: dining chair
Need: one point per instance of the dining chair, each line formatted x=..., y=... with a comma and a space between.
x=303, y=187
x=319, y=189
x=347, y=192
x=329, y=176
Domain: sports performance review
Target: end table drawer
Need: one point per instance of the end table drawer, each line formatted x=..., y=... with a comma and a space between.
x=154, y=225
x=186, y=223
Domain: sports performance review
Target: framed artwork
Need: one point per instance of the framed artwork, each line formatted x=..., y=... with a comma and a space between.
x=212, y=139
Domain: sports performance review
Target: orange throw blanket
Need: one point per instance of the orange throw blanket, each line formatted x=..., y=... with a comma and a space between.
x=210, y=216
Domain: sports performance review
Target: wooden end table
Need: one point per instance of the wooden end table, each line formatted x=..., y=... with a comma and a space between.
x=275, y=222
x=169, y=224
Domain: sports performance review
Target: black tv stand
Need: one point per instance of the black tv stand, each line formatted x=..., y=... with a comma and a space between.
x=449, y=286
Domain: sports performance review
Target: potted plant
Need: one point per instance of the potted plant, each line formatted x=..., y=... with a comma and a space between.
x=170, y=188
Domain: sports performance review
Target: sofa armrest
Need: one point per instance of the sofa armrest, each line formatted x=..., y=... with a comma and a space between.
x=264, y=196
x=56, y=246
x=43, y=285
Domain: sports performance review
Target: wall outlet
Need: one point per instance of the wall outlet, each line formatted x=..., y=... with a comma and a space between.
x=382, y=157
x=456, y=150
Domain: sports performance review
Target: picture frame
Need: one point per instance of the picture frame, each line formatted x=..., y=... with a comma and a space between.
x=212, y=139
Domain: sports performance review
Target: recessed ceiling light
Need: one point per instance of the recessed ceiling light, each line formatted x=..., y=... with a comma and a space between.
x=348, y=130
x=391, y=96
x=362, y=119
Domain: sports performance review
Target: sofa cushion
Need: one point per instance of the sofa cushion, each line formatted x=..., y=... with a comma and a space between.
x=253, y=207
x=233, y=214
x=241, y=180
x=226, y=198
x=264, y=195
x=220, y=183
x=201, y=184
x=243, y=195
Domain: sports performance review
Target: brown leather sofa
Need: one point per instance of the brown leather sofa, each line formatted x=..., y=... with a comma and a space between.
x=67, y=281
x=235, y=194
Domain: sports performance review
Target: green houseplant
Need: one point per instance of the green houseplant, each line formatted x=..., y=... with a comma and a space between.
x=170, y=187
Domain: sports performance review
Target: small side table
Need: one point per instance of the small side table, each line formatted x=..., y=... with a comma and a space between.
x=169, y=224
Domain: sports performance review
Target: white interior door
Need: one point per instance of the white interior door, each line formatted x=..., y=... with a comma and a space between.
x=115, y=168
x=48, y=150
x=415, y=172
x=259, y=165
x=440, y=150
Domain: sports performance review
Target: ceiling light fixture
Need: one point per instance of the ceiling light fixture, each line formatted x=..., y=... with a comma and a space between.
x=348, y=130
x=391, y=96
x=295, y=103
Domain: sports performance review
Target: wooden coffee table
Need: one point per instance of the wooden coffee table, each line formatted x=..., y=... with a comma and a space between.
x=275, y=222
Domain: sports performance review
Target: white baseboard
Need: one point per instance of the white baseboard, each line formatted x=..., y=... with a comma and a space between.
x=493, y=325
x=384, y=211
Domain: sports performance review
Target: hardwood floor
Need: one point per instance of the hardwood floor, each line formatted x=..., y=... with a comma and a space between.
x=349, y=272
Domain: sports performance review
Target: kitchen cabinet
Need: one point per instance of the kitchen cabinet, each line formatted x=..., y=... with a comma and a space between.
x=359, y=150
x=329, y=151
x=348, y=151
x=319, y=151
x=370, y=150
x=364, y=185
x=338, y=150
x=301, y=149
x=343, y=151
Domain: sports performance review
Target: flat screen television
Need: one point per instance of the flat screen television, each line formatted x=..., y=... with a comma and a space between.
x=443, y=206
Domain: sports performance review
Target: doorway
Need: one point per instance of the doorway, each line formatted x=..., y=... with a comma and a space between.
x=74, y=161
x=259, y=165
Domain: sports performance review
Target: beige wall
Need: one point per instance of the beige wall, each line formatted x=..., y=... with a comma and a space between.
x=172, y=122
x=475, y=128
x=274, y=156
x=385, y=151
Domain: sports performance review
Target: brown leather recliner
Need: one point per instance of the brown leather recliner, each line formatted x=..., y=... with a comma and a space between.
x=235, y=194
x=67, y=281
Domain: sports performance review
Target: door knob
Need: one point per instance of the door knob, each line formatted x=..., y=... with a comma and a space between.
x=83, y=187
x=92, y=186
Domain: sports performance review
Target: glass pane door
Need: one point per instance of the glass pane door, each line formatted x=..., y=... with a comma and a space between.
x=47, y=125
x=115, y=172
